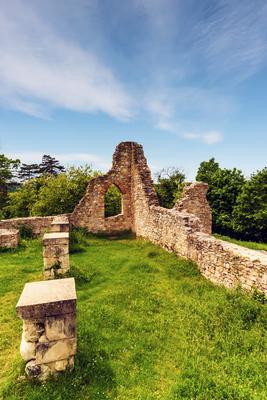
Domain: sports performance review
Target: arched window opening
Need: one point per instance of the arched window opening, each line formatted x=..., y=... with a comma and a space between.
x=113, y=201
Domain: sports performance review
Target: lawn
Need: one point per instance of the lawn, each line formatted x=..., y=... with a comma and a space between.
x=149, y=327
x=249, y=245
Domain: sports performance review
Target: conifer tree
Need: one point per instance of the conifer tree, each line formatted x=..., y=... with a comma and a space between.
x=50, y=165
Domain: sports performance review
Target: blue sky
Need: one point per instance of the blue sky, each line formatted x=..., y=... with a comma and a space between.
x=187, y=79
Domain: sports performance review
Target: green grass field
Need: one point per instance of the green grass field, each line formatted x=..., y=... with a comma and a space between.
x=149, y=327
x=249, y=245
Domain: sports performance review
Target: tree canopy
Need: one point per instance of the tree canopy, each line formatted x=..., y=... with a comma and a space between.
x=169, y=185
x=8, y=168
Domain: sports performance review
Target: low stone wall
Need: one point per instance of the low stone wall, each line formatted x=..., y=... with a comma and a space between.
x=48, y=311
x=228, y=264
x=9, y=238
x=38, y=225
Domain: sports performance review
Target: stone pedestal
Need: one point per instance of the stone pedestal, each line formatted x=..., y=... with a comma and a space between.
x=55, y=254
x=9, y=238
x=60, y=224
x=48, y=311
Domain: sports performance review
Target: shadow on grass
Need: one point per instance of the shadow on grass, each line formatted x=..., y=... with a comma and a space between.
x=123, y=235
x=84, y=278
x=92, y=377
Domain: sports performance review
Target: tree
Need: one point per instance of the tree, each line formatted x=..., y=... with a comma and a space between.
x=50, y=165
x=8, y=166
x=28, y=171
x=170, y=182
x=21, y=202
x=206, y=171
x=113, y=201
x=250, y=211
x=49, y=194
x=224, y=187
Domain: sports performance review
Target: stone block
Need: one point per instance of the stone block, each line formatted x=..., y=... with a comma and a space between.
x=9, y=238
x=60, y=327
x=55, y=351
x=47, y=298
x=55, y=254
x=60, y=224
x=48, y=310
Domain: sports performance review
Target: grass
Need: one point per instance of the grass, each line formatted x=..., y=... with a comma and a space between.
x=249, y=245
x=149, y=327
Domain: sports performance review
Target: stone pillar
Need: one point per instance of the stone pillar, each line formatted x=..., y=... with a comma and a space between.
x=9, y=238
x=60, y=224
x=56, y=254
x=48, y=311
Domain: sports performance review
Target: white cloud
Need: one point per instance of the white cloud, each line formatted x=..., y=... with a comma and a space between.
x=64, y=158
x=232, y=38
x=206, y=137
x=40, y=70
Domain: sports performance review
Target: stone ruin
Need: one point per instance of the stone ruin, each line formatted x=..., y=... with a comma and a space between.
x=48, y=308
x=56, y=254
x=48, y=311
x=56, y=248
x=9, y=238
x=184, y=230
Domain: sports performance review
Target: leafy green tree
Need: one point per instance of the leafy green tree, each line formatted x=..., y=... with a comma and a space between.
x=169, y=185
x=50, y=194
x=224, y=187
x=63, y=192
x=21, y=201
x=206, y=171
x=250, y=211
x=50, y=165
x=8, y=166
x=113, y=201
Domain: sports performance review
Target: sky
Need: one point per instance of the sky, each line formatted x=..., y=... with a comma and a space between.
x=186, y=79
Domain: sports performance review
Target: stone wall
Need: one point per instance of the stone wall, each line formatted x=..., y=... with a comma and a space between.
x=185, y=229
x=38, y=224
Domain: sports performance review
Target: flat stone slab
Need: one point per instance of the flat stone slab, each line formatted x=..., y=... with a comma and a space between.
x=56, y=235
x=60, y=220
x=47, y=298
x=56, y=238
x=8, y=232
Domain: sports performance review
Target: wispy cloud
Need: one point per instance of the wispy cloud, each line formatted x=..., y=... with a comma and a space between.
x=173, y=63
x=205, y=137
x=40, y=70
x=65, y=158
x=232, y=38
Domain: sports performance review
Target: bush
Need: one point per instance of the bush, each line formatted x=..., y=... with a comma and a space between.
x=26, y=232
x=78, y=239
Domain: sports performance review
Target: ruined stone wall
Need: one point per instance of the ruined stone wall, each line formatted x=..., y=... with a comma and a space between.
x=39, y=225
x=185, y=229
x=194, y=201
x=89, y=212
